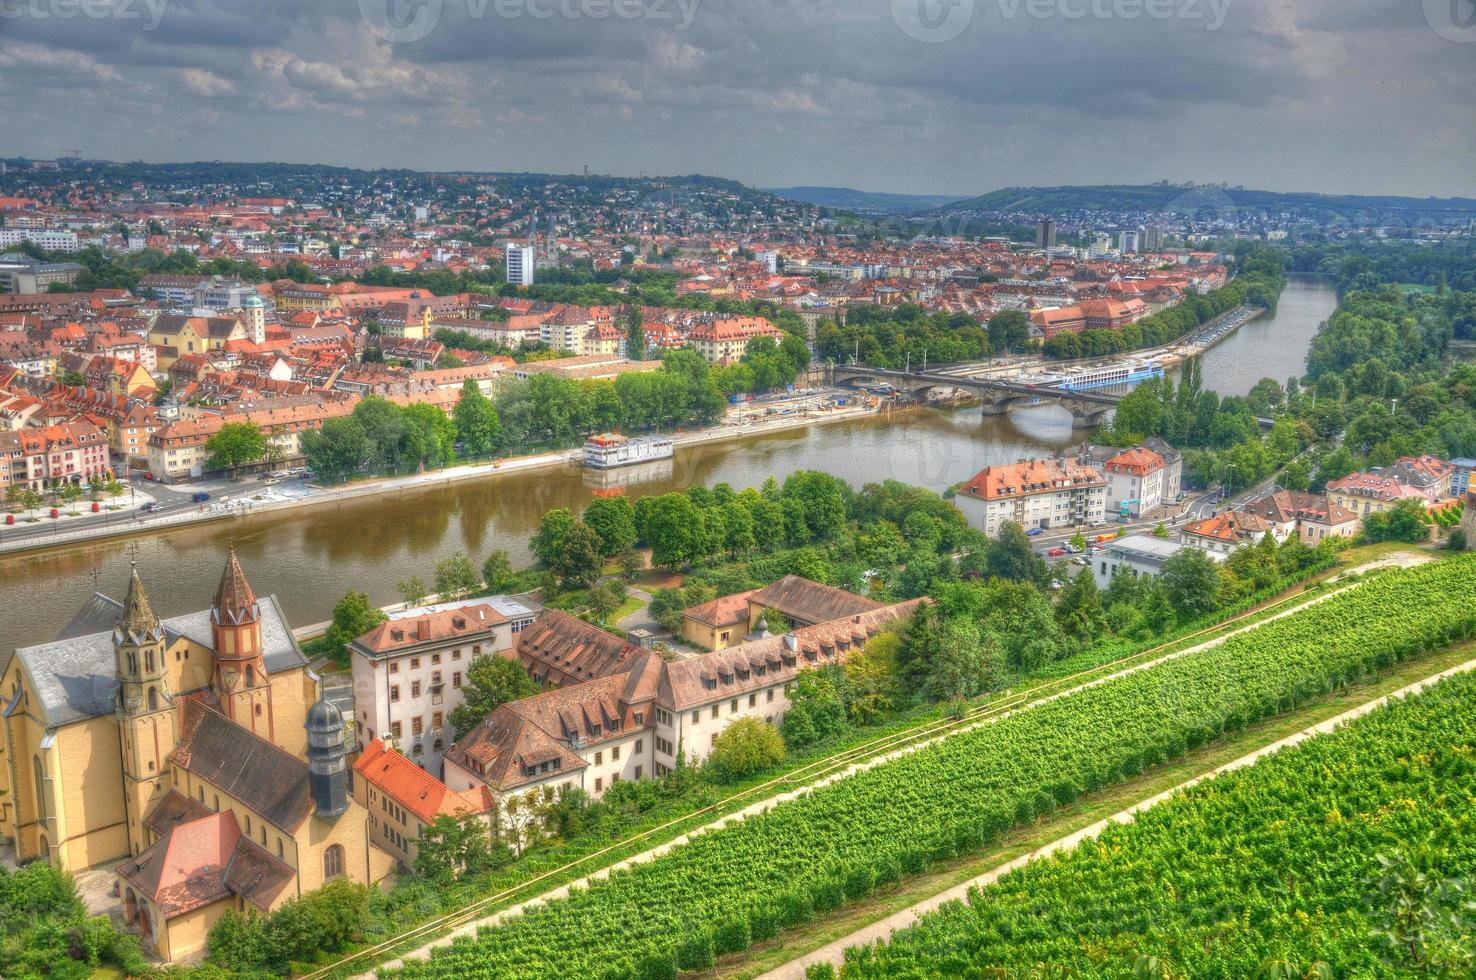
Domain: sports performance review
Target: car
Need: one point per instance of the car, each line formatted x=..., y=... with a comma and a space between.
x=200, y=498
x=152, y=507
x=1056, y=553
x=271, y=482
x=1098, y=524
x=310, y=475
x=1035, y=532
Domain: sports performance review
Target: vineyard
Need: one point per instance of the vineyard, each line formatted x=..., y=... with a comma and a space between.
x=1269, y=863
x=729, y=888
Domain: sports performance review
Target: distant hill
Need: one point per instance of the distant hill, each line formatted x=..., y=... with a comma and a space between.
x=1164, y=197
x=863, y=202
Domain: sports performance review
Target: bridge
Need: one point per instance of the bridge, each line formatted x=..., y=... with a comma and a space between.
x=998, y=397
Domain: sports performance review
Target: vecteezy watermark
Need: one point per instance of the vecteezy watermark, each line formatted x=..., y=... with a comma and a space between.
x=1454, y=20
x=408, y=21
x=147, y=12
x=936, y=21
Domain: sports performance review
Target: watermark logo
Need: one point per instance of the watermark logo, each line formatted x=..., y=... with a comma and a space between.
x=408, y=21
x=400, y=21
x=1454, y=20
x=146, y=12
x=937, y=21
x=933, y=21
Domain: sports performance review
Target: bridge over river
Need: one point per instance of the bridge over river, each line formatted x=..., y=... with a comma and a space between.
x=998, y=397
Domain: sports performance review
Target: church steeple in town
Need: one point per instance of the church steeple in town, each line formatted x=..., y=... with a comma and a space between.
x=144, y=706
x=240, y=678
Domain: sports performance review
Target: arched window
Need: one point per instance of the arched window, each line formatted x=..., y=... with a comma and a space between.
x=153, y=699
x=333, y=862
x=250, y=676
x=40, y=792
x=132, y=662
x=149, y=660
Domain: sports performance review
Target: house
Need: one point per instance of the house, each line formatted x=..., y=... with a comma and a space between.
x=1312, y=518
x=726, y=340
x=402, y=799
x=73, y=452
x=174, y=335
x=1138, y=483
x=1423, y=478
x=1041, y=493
x=637, y=712
x=798, y=602
x=1137, y=555
x=408, y=671
x=1223, y=533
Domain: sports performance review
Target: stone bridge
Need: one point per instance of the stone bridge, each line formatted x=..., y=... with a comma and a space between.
x=998, y=397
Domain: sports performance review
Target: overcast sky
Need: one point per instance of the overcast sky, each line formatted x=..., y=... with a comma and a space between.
x=922, y=96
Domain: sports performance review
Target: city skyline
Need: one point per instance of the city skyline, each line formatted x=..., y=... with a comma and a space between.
x=946, y=98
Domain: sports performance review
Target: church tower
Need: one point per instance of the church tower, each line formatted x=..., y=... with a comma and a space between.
x=328, y=776
x=145, y=709
x=239, y=679
x=253, y=318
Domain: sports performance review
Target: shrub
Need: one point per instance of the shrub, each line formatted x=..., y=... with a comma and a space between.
x=745, y=747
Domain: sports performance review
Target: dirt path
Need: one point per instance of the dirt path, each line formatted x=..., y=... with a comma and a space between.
x=882, y=929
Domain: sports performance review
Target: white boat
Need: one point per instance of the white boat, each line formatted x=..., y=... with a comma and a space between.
x=610, y=450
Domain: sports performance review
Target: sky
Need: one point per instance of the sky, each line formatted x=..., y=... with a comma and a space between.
x=908, y=96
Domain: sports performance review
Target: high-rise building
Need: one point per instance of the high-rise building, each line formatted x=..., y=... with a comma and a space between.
x=1045, y=234
x=520, y=263
x=770, y=261
x=1153, y=238
x=1129, y=241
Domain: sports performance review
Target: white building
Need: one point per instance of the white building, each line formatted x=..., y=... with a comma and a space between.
x=521, y=261
x=770, y=261
x=408, y=672
x=1040, y=493
x=1129, y=241
x=1140, y=554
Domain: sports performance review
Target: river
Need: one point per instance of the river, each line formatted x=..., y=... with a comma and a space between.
x=309, y=557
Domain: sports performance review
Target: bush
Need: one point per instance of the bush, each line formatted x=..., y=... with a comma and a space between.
x=696, y=952
x=733, y=936
x=745, y=747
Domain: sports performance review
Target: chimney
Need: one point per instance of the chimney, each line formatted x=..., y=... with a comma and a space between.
x=422, y=629
x=791, y=642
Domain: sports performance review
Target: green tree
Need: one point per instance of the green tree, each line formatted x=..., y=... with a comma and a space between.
x=1405, y=521
x=873, y=681
x=670, y=530
x=1191, y=583
x=1011, y=557
x=817, y=708
x=613, y=520
x=491, y=681
x=453, y=846
x=579, y=562
x=477, y=424
x=428, y=437
x=235, y=444
x=413, y=590
x=383, y=425
x=548, y=540
x=1079, y=610
x=497, y=571
x=456, y=577
x=337, y=450
x=352, y=618
x=745, y=747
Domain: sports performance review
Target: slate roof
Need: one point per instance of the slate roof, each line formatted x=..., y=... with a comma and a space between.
x=72, y=677
x=808, y=602
x=266, y=779
x=561, y=649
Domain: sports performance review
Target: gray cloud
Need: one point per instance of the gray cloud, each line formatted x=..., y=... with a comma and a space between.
x=1313, y=94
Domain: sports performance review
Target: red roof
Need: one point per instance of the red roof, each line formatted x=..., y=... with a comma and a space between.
x=413, y=788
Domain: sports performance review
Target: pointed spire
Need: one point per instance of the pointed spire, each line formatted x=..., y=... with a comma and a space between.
x=235, y=602
x=138, y=619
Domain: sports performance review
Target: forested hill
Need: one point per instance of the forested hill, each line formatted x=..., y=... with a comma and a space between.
x=1150, y=198
x=863, y=202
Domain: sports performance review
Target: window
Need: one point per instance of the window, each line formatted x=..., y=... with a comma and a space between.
x=640, y=746
x=752, y=700
x=732, y=707
x=395, y=730
x=333, y=862
x=394, y=693
x=414, y=663
x=639, y=771
x=417, y=725
x=394, y=667
x=456, y=680
x=40, y=776
x=714, y=711
x=663, y=717
x=663, y=746
x=435, y=659
x=476, y=651
x=771, y=694
x=437, y=721
x=615, y=754
x=415, y=689
x=640, y=718
x=455, y=654
x=599, y=785
x=696, y=717
x=599, y=758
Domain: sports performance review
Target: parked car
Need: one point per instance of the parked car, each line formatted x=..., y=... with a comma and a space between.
x=1098, y=524
x=310, y=475
x=200, y=498
x=272, y=482
x=1056, y=553
x=1035, y=532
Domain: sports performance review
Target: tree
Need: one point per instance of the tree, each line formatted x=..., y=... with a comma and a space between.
x=477, y=424
x=497, y=571
x=817, y=710
x=352, y=618
x=413, y=590
x=491, y=681
x=235, y=444
x=613, y=520
x=548, y=540
x=669, y=530
x=1079, y=610
x=453, y=846
x=456, y=577
x=746, y=746
x=383, y=426
x=579, y=562
x=428, y=437
x=1011, y=557
x=605, y=599
x=1404, y=522
x=1191, y=583
x=822, y=502
x=872, y=678
x=337, y=450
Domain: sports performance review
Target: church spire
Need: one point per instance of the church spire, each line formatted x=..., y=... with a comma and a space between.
x=138, y=620
x=235, y=602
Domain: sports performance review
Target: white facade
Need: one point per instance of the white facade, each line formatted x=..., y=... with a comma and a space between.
x=51, y=241
x=521, y=260
x=1140, y=554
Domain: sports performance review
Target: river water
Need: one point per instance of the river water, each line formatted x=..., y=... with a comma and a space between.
x=309, y=557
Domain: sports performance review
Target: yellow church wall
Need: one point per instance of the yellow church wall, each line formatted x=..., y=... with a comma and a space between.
x=90, y=781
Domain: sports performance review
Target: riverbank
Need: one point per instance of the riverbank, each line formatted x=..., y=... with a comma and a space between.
x=247, y=509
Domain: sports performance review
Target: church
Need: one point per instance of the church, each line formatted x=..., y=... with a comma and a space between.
x=193, y=754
